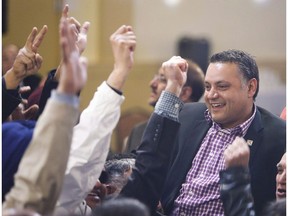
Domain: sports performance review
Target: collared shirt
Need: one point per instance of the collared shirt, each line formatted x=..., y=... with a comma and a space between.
x=200, y=193
x=72, y=100
x=89, y=148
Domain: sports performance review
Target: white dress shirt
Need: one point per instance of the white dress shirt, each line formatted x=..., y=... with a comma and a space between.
x=89, y=149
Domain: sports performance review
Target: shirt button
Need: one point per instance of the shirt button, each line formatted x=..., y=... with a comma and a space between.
x=176, y=106
x=182, y=214
x=220, y=133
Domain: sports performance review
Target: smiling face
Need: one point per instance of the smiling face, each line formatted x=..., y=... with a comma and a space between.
x=96, y=195
x=228, y=97
x=281, y=178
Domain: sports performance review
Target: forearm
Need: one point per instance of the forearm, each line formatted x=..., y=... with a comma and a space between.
x=49, y=85
x=11, y=80
x=154, y=153
x=118, y=78
x=10, y=100
x=235, y=192
x=40, y=174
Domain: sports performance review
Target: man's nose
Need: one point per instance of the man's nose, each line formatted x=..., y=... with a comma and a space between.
x=282, y=178
x=212, y=94
x=154, y=81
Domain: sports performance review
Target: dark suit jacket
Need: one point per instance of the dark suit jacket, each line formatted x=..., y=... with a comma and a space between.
x=268, y=133
x=152, y=161
x=10, y=100
x=134, y=139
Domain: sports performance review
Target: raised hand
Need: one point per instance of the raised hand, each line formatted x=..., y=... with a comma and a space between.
x=20, y=113
x=123, y=42
x=28, y=61
x=79, y=34
x=79, y=30
x=74, y=68
x=237, y=154
x=175, y=72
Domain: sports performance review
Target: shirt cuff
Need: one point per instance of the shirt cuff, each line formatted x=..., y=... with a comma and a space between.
x=72, y=100
x=116, y=90
x=169, y=105
x=13, y=92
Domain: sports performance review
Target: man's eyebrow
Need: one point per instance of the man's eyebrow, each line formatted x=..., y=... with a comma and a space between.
x=218, y=82
x=222, y=81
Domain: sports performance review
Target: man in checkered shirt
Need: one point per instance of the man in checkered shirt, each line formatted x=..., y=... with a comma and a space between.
x=192, y=178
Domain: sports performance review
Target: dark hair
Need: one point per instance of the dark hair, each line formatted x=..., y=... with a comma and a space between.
x=246, y=64
x=121, y=207
x=118, y=166
x=276, y=208
x=117, y=172
x=195, y=79
x=118, y=156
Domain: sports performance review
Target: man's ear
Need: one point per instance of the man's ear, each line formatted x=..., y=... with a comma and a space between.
x=186, y=94
x=252, y=87
x=110, y=189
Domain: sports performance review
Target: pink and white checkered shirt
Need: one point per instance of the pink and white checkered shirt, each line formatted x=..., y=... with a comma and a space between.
x=200, y=193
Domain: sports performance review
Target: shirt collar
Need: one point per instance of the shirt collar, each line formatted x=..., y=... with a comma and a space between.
x=240, y=130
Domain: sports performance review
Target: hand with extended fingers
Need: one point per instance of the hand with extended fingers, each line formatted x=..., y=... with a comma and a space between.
x=79, y=34
x=175, y=72
x=237, y=154
x=79, y=31
x=22, y=112
x=28, y=61
x=74, y=68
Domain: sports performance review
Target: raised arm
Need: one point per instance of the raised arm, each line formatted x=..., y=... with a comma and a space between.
x=80, y=33
x=27, y=62
x=153, y=155
x=123, y=43
x=92, y=136
x=235, y=188
x=39, y=179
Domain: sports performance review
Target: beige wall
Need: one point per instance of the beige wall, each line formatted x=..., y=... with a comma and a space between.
x=246, y=24
x=23, y=16
x=242, y=24
x=256, y=26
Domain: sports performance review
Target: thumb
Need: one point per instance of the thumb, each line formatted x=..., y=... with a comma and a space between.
x=31, y=112
x=39, y=61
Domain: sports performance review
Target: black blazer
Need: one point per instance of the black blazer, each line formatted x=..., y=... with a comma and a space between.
x=134, y=139
x=152, y=161
x=268, y=133
x=10, y=100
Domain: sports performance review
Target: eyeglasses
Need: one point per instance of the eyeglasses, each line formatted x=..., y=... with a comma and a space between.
x=160, y=78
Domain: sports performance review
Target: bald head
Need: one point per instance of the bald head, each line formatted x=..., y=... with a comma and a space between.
x=9, y=53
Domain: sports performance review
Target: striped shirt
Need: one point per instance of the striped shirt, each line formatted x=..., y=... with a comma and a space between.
x=199, y=194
